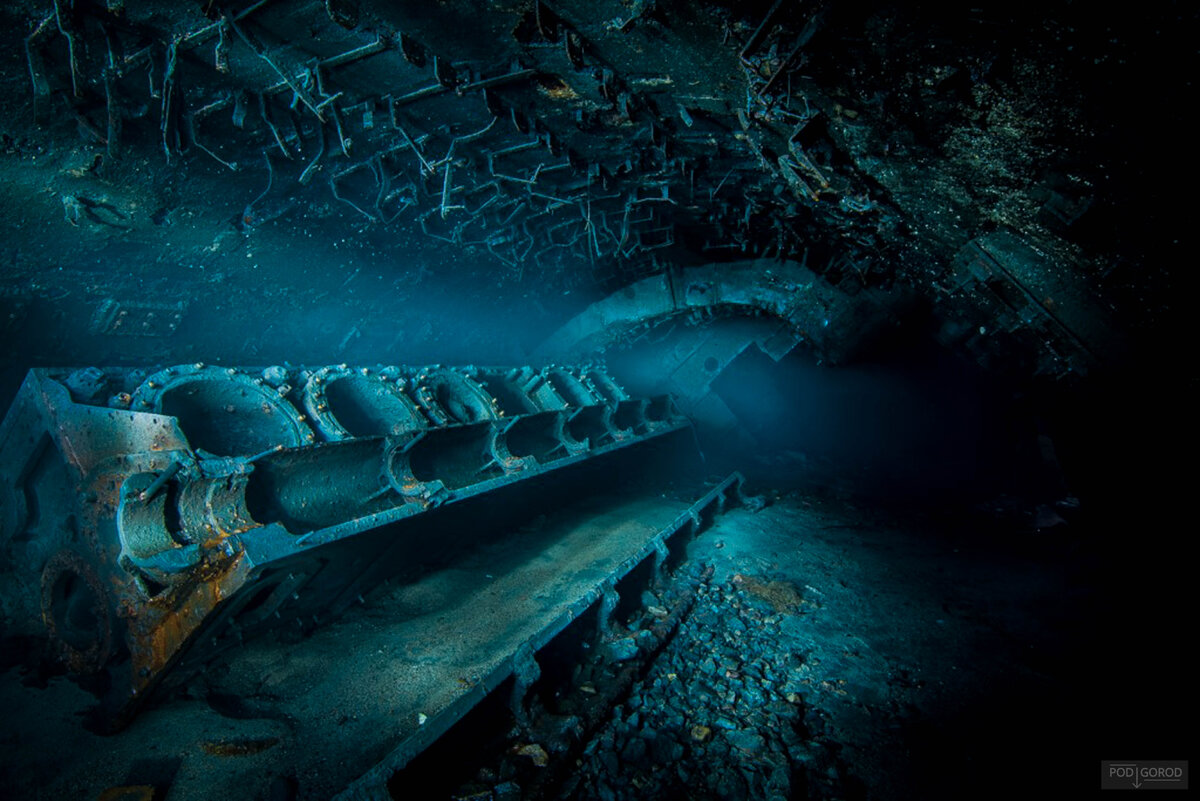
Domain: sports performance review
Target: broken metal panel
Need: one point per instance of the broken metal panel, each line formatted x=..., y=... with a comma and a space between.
x=702, y=354
x=204, y=506
x=779, y=344
x=677, y=333
x=711, y=411
x=685, y=361
x=1010, y=299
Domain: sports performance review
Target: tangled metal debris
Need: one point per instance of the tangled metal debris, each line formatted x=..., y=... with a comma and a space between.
x=567, y=141
x=564, y=142
x=152, y=521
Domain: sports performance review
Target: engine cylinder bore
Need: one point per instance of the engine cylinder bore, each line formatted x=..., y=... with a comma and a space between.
x=543, y=393
x=345, y=403
x=456, y=457
x=512, y=391
x=604, y=386
x=591, y=425
x=321, y=486
x=14, y=509
x=630, y=416
x=572, y=389
x=222, y=412
x=661, y=410
x=537, y=435
x=454, y=399
x=146, y=526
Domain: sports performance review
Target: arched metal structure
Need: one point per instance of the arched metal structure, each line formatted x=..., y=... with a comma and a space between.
x=678, y=331
x=809, y=309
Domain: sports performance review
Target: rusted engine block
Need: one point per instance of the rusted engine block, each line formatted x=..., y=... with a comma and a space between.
x=148, y=522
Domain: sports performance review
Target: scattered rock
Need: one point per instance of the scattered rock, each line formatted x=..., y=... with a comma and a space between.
x=506, y=791
x=536, y=754
x=720, y=711
x=746, y=741
x=782, y=596
x=622, y=649
x=635, y=752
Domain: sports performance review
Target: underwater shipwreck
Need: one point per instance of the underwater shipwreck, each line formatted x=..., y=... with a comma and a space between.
x=606, y=400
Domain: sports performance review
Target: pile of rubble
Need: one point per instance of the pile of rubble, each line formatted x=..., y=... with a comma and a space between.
x=721, y=713
x=706, y=701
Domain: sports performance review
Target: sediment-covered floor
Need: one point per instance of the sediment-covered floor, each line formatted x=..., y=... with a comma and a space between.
x=813, y=649
x=834, y=652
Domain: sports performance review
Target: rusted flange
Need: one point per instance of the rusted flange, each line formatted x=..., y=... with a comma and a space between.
x=454, y=399
x=225, y=412
x=344, y=403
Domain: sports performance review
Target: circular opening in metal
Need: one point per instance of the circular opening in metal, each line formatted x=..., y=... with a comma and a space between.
x=228, y=418
x=711, y=364
x=512, y=401
x=605, y=386
x=75, y=609
x=570, y=388
x=366, y=407
x=459, y=400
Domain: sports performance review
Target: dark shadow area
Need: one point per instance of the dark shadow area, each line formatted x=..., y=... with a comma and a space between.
x=438, y=769
x=915, y=427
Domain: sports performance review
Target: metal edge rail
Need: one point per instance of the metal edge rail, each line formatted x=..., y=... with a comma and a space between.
x=370, y=785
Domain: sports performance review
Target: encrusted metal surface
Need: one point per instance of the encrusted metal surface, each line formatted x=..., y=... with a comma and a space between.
x=806, y=305
x=340, y=712
x=568, y=145
x=200, y=505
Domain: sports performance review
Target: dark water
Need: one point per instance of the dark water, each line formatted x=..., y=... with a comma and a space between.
x=917, y=424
